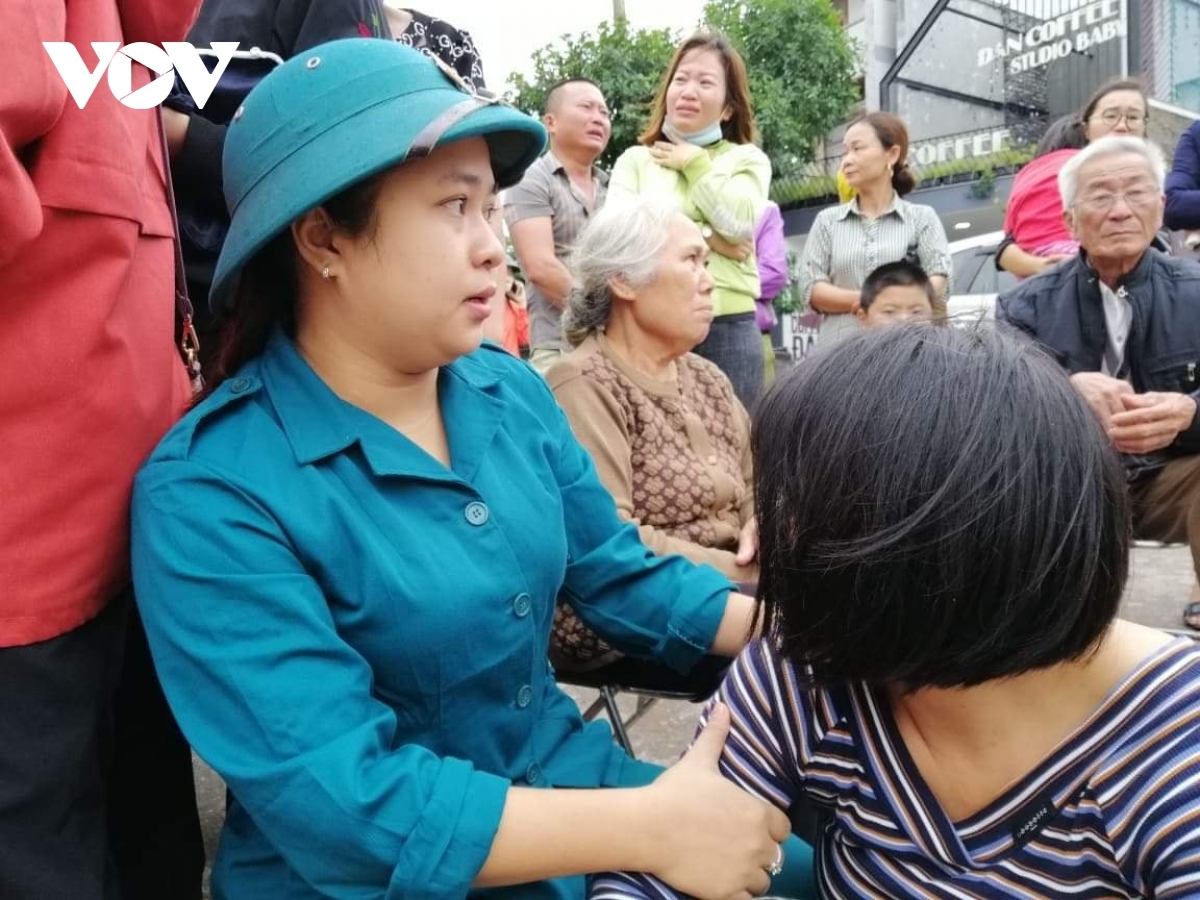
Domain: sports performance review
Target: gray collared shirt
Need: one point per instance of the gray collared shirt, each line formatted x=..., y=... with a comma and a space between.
x=546, y=190
x=844, y=247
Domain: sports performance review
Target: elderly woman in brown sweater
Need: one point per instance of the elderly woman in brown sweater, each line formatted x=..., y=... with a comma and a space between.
x=669, y=438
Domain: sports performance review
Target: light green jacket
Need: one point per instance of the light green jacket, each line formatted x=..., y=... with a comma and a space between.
x=725, y=187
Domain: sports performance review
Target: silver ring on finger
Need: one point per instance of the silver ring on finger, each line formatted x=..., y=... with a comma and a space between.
x=776, y=867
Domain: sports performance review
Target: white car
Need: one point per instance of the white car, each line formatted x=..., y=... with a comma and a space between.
x=976, y=284
x=977, y=281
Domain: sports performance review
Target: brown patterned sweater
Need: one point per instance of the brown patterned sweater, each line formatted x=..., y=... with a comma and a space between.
x=675, y=456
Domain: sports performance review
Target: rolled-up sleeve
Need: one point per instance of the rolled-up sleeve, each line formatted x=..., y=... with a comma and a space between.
x=933, y=252
x=657, y=607
x=530, y=199
x=271, y=696
x=731, y=194
x=933, y=249
x=817, y=259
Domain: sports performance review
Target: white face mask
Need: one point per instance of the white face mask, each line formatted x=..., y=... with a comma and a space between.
x=709, y=135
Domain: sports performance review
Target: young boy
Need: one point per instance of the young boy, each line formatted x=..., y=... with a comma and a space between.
x=508, y=325
x=894, y=293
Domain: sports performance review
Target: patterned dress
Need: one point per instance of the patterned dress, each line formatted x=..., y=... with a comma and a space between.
x=449, y=44
x=674, y=455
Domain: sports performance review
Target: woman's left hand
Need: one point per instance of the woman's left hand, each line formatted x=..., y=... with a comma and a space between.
x=673, y=156
x=747, y=550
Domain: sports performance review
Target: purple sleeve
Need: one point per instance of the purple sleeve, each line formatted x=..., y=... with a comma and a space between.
x=771, y=252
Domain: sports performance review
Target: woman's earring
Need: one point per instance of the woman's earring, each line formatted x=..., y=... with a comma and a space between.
x=326, y=273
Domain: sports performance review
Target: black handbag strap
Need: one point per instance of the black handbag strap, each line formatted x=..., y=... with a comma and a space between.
x=188, y=341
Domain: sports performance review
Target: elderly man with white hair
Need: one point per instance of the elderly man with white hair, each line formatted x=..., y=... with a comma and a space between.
x=1124, y=320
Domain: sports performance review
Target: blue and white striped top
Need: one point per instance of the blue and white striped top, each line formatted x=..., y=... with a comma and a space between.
x=1113, y=812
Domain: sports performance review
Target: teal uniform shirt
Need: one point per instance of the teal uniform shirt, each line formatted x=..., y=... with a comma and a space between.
x=354, y=636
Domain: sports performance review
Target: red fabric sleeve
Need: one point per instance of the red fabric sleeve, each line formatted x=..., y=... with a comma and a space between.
x=31, y=101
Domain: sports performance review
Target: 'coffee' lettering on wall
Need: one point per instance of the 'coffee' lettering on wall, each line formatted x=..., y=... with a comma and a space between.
x=1077, y=31
x=969, y=146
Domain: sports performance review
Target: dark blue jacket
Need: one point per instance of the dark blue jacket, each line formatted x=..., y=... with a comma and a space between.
x=1183, y=183
x=281, y=27
x=1063, y=311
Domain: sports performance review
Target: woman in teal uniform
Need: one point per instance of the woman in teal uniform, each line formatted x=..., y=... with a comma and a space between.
x=347, y=554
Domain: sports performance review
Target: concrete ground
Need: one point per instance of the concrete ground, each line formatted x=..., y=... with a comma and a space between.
x=1160, y=582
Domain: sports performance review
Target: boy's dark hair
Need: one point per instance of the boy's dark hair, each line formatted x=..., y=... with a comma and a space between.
x=965, y=519
x=895, y=274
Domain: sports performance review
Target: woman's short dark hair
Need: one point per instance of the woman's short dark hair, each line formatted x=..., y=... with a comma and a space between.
x=937, y=507
x=739, y=128
x=1064, y=133
x=892, y=132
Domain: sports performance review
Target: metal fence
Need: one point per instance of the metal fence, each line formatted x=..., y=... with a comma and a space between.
x=945, y=159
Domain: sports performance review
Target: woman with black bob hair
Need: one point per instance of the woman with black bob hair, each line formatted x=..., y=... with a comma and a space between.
x=944, y=542
x=951, y=517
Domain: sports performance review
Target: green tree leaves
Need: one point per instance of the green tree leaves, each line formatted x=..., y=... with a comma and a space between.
x=802, y=66
x=803, y=71
x=627, y=64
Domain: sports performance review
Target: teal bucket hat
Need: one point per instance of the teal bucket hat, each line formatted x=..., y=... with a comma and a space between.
x=336, y=114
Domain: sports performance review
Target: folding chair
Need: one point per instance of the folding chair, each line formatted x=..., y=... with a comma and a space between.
x=650, y=682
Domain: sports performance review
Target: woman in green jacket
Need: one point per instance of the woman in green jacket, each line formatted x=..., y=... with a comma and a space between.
x=699, y=149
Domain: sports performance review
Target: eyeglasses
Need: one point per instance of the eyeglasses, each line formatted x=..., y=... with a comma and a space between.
x=1132, y=117
x=1137, y=199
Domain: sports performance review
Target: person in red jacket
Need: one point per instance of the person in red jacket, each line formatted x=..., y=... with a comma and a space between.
x=90, y=379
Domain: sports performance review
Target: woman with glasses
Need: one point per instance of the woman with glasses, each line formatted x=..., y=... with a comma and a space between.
x=347, y=554
x=1035, y=235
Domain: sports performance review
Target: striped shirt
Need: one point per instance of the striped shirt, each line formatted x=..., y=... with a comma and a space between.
x=844, y=247
x=1113, y=812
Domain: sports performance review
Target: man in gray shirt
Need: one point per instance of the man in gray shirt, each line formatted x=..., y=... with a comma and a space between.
x=548, y=209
